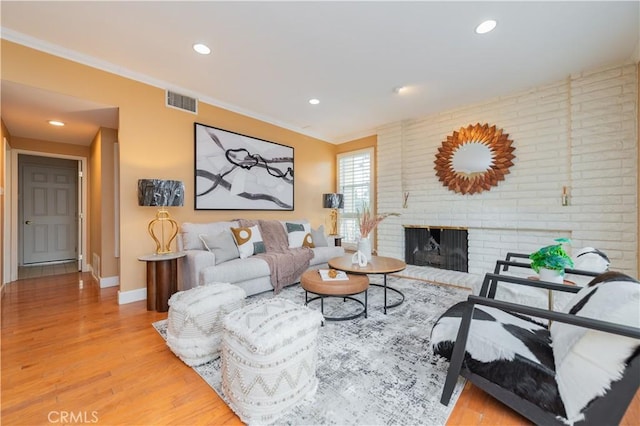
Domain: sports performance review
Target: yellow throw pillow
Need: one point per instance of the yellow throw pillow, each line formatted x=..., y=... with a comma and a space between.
x=308, y=241
x=249, y=241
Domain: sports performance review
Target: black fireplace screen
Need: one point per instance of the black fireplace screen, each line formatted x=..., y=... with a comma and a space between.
x=437, y=247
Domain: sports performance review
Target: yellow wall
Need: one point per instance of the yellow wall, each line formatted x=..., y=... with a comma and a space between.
x=356, y=144
x=109, y=266
x=156, y=141
x=49, y=147
x=94, y=180
x=101, y=181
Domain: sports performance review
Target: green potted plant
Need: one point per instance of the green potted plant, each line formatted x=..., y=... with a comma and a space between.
x=550, y=261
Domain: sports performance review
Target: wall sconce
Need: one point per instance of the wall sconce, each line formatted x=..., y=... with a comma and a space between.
x=565, y=196
x=161, y=193
x=334, y=202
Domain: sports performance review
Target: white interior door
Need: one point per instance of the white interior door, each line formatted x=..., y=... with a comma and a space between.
x=49, y=212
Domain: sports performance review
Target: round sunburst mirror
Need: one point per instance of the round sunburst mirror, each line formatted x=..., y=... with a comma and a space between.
x=474, y=158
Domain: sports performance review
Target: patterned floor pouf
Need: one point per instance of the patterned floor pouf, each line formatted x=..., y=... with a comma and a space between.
x=269, y=357
x=194, y=322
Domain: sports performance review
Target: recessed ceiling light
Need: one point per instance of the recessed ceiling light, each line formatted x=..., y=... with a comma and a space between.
x=56, y=123
x=314, y=101
x=202, y=49
x=486, y=26
x=400, y=89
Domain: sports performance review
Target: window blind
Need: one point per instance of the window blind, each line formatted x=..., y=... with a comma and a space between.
x=355, y=178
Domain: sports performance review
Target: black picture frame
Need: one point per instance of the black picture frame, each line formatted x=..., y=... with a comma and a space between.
x=239, y=172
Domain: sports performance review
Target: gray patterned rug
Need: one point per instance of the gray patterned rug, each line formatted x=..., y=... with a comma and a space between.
x=378, y=370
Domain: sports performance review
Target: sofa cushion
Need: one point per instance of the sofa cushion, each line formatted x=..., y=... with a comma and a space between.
x=237, y=270
x=323, y=254
x=612, y=297
x=318, y=237
x=299, y=235
x=249, y=240
x=190, y=233
x=222, y=245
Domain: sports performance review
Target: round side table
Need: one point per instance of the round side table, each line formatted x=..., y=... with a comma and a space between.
x=312, y=282
x=162, y=279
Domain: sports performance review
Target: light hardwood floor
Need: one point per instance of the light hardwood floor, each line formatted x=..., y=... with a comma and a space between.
x=72, y=355
x=46, y=269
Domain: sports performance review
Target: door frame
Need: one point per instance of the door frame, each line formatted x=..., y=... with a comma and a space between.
x=82, y=207
x=6, y=243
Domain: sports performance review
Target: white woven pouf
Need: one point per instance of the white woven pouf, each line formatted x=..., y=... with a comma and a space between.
x=194, y=322
x=269, y=357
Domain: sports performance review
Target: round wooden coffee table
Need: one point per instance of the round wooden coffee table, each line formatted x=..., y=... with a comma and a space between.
x=312, y=282
x=377, y=265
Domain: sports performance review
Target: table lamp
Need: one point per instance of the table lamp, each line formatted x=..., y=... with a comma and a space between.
x=334, y=202
x=161, y=193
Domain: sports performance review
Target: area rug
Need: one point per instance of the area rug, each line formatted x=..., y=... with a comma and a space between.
x=378, y=370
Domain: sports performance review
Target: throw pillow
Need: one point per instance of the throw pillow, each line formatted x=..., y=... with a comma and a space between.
x=319, y=238
x=249, y=241
x=299, y=235
x=222, y=245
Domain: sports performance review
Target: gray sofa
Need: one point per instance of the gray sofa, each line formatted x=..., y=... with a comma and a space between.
x=252, y=274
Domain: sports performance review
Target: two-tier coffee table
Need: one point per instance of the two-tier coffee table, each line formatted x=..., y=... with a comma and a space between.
x=312, y=282
x=377, y=265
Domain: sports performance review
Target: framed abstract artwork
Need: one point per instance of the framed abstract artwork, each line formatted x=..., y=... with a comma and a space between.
x=239, y=172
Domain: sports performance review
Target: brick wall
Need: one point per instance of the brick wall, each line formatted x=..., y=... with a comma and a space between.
x=579, y=133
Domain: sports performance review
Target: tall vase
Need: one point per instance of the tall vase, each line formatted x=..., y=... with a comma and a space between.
x=364, y=246
x=551, y=275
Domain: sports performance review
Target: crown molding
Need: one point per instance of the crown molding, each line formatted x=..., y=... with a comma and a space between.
x=72, y=55
x=357, y=135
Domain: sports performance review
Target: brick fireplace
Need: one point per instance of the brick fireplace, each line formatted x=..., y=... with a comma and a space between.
x=578, y=133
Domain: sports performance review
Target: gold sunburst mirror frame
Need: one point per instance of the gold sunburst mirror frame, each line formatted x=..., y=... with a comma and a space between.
x=474, y=158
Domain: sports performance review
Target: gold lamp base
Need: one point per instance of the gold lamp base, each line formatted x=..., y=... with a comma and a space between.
x=333, y=217
x=167, y=228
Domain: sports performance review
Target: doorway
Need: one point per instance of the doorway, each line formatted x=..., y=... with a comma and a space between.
x=47, y=197
x=48, y=209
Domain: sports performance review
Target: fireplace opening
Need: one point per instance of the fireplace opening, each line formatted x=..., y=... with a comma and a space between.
x=444, y=248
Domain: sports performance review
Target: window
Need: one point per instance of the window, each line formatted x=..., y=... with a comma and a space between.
x=355, y=182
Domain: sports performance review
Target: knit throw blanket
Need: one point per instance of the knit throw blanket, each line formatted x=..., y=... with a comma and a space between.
x=286, y=264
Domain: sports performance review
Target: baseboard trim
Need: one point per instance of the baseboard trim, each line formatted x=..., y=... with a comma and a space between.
x=109, y=282
x=131, y=296
x=104, y=282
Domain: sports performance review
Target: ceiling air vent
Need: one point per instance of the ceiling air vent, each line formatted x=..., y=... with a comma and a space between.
x=183, y=102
